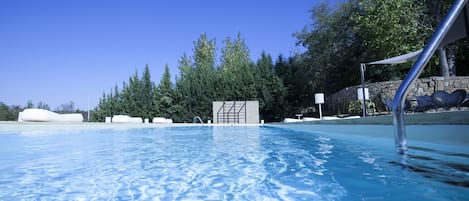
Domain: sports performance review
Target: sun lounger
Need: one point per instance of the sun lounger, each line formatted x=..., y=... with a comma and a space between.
x=290, y=120
x=41, y=115
x=388, y=103
x=310, y=119
x=443, y=99
x=424, y=103
x=465, y=103
x=162, y=120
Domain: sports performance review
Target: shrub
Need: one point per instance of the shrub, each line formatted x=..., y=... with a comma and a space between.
x=355, y=107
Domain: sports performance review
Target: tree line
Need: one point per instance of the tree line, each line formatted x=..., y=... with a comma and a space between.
x=202, y=79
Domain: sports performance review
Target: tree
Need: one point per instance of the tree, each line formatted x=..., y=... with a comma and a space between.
x=102, y=110
x=134, y=99
x=146, y=93
x=433, y=13
x=237, y=71
x=387, y=29
x=182, y=109
x=164, y=95
x=9, y=113
x=66, y=107
x=30, y=104
x=333, y=50
x=195, y=88
x=298, y=83
x=270, y=88
x=204, y=76
x=43, y=105
x=116, y=99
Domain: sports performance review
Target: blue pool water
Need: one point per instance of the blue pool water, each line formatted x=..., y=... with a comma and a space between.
x=224, y=163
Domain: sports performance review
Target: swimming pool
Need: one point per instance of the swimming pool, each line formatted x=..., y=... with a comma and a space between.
x=224, y=163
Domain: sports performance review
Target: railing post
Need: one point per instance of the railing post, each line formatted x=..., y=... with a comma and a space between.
x=234, y=112
x=362, y=73
x=245, y=113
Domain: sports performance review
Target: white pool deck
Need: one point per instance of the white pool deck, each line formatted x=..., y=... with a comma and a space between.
x=450, y=127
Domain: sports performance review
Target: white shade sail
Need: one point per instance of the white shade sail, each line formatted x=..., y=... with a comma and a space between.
x=399, y=59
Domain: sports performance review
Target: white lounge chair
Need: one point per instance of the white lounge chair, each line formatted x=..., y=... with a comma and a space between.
x=41, y=115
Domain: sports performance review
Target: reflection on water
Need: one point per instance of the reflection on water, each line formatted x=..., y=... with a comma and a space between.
x=442, y=166
x=297, y=167
x=228, y=140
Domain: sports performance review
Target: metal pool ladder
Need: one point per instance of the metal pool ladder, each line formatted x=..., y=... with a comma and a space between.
x=445, y=33
x=194, y=120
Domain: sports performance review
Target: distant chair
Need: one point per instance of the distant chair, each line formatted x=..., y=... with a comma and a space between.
x=424, y=103
x=388, y=103
x=443, y=99
x=466, y=101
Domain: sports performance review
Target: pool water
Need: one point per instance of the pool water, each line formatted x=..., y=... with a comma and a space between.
x=224, y=163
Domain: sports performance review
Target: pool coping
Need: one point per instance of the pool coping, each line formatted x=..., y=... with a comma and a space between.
x=454, y=134
x=12, y=126
x=434, y=118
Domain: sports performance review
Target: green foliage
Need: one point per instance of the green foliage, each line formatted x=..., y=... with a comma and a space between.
x=199, y=84
x=299, y=85
x=356, y=107
x=271, y=92
x=42, y=105
x=164, y=95
x=146, y=93
x=333, y=51
x=68, y=107
x=30, y=104
x=135, y=99
x=462, y=60
x=237, y=71
x=182, y=110
x=9, y=113
x=339, y=38
x=387, y=29
x=203, y=82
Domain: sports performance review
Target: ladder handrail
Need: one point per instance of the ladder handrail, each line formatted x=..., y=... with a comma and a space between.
x=398, y=104
x=197, y=118
x=234, y=112
x=229, y=111
x=218, y=113
x=240, y=109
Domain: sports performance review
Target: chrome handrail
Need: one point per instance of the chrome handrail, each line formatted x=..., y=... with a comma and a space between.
x=398, y=104
x=218, y=113
x=197, y=118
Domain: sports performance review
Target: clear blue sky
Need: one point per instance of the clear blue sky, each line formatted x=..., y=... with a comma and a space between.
x=73, y=50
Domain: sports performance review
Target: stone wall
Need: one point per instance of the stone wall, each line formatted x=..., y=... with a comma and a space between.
x=386, y=90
